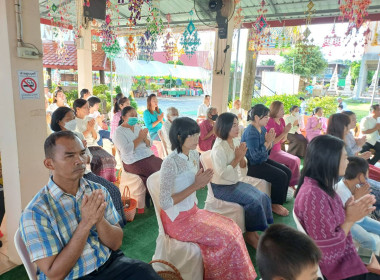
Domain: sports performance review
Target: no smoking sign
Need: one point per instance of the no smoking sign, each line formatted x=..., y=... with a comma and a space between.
x=28, y=84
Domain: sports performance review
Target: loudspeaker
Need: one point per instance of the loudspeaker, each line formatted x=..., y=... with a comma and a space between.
x=96, y=10
x=222, y=26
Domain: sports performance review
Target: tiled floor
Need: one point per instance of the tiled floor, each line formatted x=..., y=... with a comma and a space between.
x=5, y=264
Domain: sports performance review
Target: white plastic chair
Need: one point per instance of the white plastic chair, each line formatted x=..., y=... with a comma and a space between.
x=24, y=255
x=301, y=229
x=135, y=184
x=163, y=144
x=185, y=256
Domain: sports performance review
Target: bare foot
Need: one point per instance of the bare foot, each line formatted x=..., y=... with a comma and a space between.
x=280, y=210
x=252, y=238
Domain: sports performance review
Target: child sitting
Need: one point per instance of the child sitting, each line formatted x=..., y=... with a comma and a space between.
x=285, y=253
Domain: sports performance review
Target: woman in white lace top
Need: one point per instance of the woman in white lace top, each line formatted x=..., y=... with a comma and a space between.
x=222, y=246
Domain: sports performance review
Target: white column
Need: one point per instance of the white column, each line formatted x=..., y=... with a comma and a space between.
x=221, y=70
x=362, y=80
x=22, y=121
x=84, y=60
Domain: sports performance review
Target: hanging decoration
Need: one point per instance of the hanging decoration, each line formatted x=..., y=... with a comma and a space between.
x=131, y=48
x=375, y=40
x=331, y=40
x=238, y=18
x=86, y=3
x=112, y=50
x=147, y=46
x=94, y=47
x=190, y=40
x=155, y=25
x=260, y=33
x=134, y=6
x=355, y=12
x=107, y=34
x=310, y=12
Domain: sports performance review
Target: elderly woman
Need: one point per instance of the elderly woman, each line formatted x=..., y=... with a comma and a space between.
x=153, y=117
x=207, y=135
x=229, y=164
x=103, y=164
x=64, y=119
x=134, y=146
x=172, y=114
x=222, y=245
x=297, y=142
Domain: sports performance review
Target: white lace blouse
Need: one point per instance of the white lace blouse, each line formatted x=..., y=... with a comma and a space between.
x=82, y=126
x=177, y=173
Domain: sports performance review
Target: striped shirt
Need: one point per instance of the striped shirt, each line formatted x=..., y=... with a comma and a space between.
x=50, y=220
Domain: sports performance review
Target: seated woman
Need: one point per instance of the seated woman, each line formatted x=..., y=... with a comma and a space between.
x=207, y=136
x=134, y=146
x=277, y=122
x=239, y=112
x=259, y=142
x=339, y=127
x=322, y=213
x=119, y=105
x=316, y=124
x=297, y=142
x=172, y=114
x=354, y=146
x=103, y=164
x=355, y=184
x=222, y=245
x=228, y=158
x=153, y=117
x=59, y=100
x=64, y=119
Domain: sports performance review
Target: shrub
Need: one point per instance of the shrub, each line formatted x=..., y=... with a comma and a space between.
x=71, y=96
x=327, y=103
x=133, y=102
x=287, y=99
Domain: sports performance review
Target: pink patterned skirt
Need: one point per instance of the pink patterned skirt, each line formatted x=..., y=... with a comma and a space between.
x=103, y=164
x=290, y=161
x=224, y=253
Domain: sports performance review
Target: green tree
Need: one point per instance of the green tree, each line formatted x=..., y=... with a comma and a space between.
x=268, y=62
x=355, y=70
x=305, y=66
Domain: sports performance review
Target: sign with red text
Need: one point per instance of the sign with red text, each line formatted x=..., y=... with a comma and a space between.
x=28, y=84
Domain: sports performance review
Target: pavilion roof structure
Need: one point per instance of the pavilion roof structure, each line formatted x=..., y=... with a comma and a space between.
x=279, y=12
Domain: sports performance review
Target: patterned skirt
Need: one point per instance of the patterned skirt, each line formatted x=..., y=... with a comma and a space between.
x=224, y=253
x=103, y=164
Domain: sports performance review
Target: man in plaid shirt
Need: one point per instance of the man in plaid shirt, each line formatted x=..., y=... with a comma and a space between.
x=70, y=228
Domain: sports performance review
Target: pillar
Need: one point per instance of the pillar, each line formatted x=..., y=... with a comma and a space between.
x=221, y=70
x=22, y=121
x=362, y=80
x=84, y=59
x=249, y=78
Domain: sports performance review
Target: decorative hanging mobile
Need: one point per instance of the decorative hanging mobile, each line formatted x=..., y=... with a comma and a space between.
x=310, y=12
x=134, y=6
x=131, y=48
x=112, y=50
x=169, y=41
x=147, y=46
x=355, y=12
x=155, y=25
x=238, y=18
x=190, y=40
x=260, y=33
x=375, y=40
x=331, y=40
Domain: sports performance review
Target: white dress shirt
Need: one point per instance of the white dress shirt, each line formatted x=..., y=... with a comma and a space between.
x=368, y=123
x=178, y=173
x=291, y=119
x=123, y=140
x=222, y=155
x=82, y=126
x=202, y=110
x=165, y=134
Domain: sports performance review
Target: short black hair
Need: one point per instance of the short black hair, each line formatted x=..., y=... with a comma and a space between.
x=224, y=124
x=83, y=92
x=301, y=98
x=124, y=112
x=348, y=113
x=259, y=110
x=93, y=100
x=50, y=142
x=356, y=166
x=316, y=110
x=374, y=107
x=57, y=116
x=293, y=108
x=180, y=129
x=285, y=252
x=78, y=103
x=321, y=162
x=340, y=106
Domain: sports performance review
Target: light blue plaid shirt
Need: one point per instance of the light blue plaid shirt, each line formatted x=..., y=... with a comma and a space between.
x=50, y=220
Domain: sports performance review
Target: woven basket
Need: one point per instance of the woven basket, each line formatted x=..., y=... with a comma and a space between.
x=129, y=204
x=167, y=274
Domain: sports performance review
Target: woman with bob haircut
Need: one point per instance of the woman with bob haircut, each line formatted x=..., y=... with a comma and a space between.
x=134, y=146
x=64, y=119
x=259, y=142
x=153, y=117
x=228, y=160
x=277, y=122
x=321, y=211
x=103, y=164
x=224, y=253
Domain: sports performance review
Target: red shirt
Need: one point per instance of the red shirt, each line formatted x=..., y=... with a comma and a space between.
x=206, y=127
